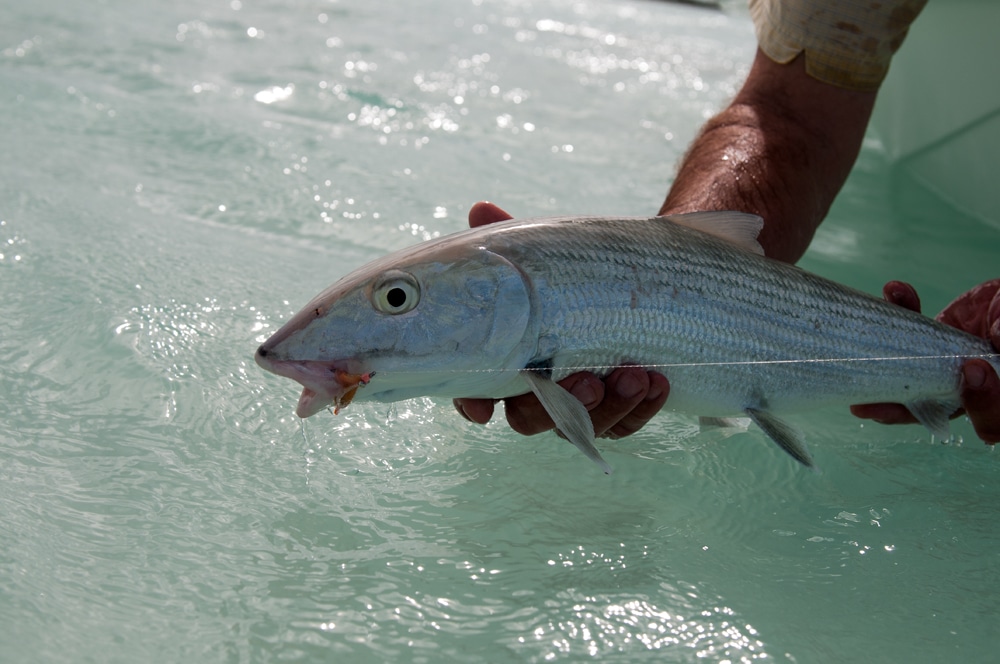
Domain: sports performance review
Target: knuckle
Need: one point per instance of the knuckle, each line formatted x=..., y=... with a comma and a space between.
x=523, y=422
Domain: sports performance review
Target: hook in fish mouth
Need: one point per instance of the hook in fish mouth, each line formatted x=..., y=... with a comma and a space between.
x=324, y=383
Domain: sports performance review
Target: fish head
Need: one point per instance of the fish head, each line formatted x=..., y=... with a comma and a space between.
x=446, y=318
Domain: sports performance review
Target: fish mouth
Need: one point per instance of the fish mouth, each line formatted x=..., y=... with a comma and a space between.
x=324, y=383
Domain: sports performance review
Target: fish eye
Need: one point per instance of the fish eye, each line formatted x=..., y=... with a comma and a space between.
x=396, y=293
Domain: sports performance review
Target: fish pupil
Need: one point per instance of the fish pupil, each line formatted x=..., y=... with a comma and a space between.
x=395, y=297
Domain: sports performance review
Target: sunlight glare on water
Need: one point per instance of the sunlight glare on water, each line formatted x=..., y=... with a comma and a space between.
x=179, y=178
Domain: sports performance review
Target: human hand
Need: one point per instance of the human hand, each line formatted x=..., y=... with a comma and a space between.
x=619, y=405
x=976, y=312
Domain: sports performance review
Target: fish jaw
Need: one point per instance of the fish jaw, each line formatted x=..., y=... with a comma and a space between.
x=471, y=326
x=324, y=384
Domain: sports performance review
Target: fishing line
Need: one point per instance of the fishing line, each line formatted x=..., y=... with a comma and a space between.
x=728, y=363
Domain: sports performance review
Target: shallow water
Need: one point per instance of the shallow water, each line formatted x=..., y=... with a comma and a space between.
x=179, y=178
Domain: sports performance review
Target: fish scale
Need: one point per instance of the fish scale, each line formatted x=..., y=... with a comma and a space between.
x=733, y=307
x=690, y=295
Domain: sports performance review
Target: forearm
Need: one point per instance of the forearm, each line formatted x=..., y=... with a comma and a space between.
x=782, y=150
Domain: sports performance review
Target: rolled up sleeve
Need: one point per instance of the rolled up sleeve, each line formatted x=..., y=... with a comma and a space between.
x=848, y=43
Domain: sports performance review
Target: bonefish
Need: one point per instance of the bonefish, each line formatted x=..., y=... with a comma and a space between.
x=512, y=307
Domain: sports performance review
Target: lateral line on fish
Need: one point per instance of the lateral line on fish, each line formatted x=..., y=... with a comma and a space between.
x=822, y=360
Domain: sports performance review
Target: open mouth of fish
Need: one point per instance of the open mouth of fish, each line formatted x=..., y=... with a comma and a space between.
x=324, y=384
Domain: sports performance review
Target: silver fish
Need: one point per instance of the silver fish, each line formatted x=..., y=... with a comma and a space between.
x=511, y=307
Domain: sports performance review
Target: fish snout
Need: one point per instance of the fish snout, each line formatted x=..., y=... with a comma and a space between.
x=271, y=361
x=272, y=358
x=263, y=357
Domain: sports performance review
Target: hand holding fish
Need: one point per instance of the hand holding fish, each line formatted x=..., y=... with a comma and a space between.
x=705, y=296
x=619, y=405
x=976, y=312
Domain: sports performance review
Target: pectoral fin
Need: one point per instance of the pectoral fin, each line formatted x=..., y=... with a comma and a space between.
x=786, y=436
x=570, y=416
x=934, y=414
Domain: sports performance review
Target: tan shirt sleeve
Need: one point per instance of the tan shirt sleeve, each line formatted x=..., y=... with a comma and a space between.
x=848, y=43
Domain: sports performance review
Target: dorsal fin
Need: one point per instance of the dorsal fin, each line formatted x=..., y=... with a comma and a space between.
x=739, y=228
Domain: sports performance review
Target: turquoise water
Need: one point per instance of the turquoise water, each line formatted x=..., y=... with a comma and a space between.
x=178, y=178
